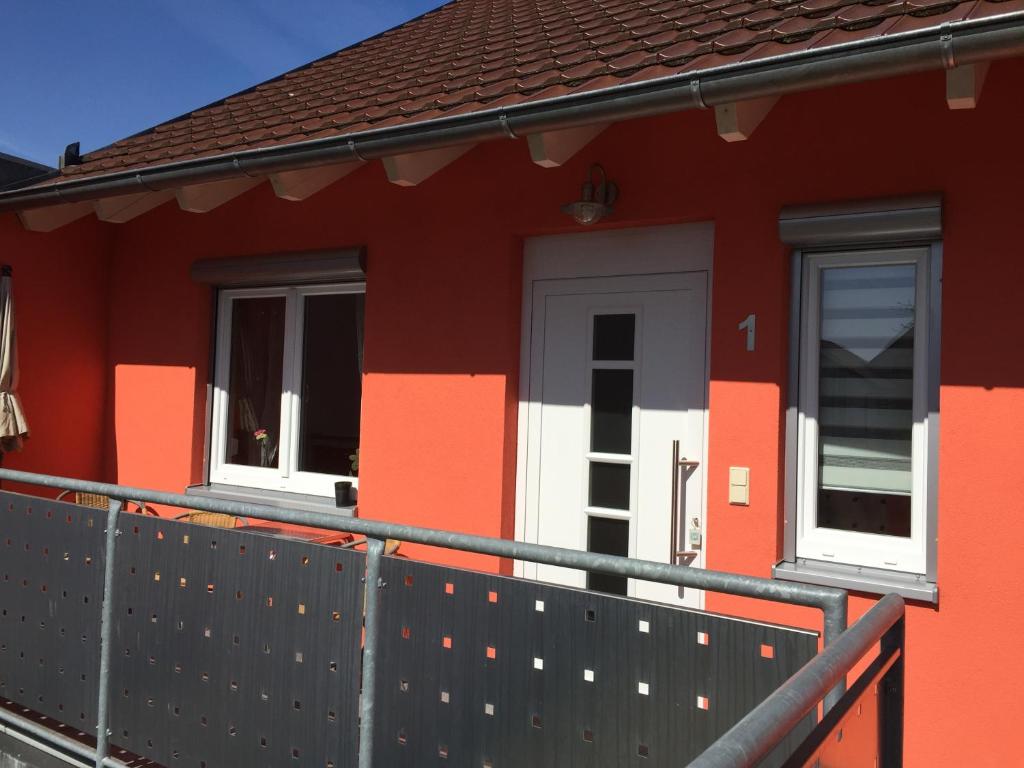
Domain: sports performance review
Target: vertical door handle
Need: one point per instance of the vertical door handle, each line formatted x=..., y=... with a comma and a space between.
x=677, y=556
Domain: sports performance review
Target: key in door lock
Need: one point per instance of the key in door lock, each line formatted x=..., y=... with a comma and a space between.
x=696, y=534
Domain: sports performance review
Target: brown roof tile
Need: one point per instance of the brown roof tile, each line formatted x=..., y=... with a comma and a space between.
x=470, y=55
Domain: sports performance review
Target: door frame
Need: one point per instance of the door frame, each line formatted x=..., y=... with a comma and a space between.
x=610, y=253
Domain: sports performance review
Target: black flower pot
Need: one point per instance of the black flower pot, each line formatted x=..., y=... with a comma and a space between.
x=343, y=495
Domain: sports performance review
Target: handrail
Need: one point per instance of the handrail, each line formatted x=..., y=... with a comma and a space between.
x=753, y=737
x=831, y=601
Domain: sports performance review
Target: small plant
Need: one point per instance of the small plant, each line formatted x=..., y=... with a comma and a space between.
x=262, y=438
x=354, y=459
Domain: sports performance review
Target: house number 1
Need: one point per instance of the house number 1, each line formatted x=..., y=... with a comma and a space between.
x=749, y=325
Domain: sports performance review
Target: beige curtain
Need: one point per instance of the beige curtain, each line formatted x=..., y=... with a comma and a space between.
x=13, y=427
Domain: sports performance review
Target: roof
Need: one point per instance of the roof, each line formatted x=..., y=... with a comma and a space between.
x=17, y=170
x=473, y=55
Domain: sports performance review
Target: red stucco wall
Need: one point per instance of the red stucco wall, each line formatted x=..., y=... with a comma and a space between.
x=61, y=295
x=442, y=342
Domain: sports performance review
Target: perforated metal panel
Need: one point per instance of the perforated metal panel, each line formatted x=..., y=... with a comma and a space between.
x=51, y=586
x=235, y=648
x=478, y=670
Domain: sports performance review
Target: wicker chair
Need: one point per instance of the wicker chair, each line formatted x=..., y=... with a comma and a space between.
x=212, y=519
x=391, y=546
x=99, y=501
x=333, y=539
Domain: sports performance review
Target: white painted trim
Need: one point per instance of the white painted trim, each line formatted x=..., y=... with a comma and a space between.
x=848, y=547
x=286, y=477
x=306, y=182
x=122, y=209
x=53, y=217
x=551, y=149
x=624, y=252
x=203, y=198
x=606, y=253
x=737, y=121
x=964, y=84
x=414, y=168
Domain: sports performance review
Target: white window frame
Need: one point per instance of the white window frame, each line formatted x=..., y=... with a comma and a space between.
x=893, y=553
x=286, y=477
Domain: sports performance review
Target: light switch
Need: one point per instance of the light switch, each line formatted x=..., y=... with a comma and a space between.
x=739, y=485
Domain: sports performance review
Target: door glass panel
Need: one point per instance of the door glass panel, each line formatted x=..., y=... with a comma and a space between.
x=254, y=388
x=613, y=336
x=332, y=365
x=607, y=537
x=866, y=398
x=609, y=485
x=611, y=414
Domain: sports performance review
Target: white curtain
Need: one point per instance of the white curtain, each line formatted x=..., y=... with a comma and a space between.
x=866, y=385
x=13, y=426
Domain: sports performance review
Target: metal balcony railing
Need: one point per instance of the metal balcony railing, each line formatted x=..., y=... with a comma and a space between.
x=193, y=646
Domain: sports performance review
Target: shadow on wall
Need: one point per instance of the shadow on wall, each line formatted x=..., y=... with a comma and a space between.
x=61, y=290
x=114, y=320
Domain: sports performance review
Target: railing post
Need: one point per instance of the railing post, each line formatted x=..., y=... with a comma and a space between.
x=890, y=710
x=106, y=633
x=835, y=622
x=374, y=553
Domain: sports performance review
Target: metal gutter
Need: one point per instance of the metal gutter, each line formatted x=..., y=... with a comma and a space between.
x=945, y=46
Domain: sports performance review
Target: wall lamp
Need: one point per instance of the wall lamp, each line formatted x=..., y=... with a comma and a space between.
x=596, y=198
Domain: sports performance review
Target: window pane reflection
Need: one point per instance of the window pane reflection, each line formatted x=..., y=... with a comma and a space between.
x=611, y=411
x=332, y=364
x=865, y=398
x=609, y=485
x=613, y=337
x=607, y=537
x=254, y=389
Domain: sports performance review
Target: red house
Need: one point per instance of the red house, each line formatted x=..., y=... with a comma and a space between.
x=494, y=266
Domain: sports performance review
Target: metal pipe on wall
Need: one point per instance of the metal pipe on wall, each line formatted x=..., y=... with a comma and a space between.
x=47, y=735
x=371, y=623
x=106, y=633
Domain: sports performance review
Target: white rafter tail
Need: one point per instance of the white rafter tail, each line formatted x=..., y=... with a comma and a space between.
x=301, y=184
x=737, y=121
x=550, y=149
x=53, y=217
x=415, y=167
x=964, y=84
x=118, y=210
x=203, y=198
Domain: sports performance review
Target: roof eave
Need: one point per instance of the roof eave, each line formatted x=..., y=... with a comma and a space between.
x=946, y=46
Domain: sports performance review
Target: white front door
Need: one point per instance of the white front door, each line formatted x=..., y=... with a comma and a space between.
x=617, y=374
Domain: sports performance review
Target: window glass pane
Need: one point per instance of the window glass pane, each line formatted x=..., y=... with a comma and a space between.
x=613, y=337
x=609, y=485
x=866, y=398
x=332, y=365
x=607, y=537
x=611, y=411
x=254, y=388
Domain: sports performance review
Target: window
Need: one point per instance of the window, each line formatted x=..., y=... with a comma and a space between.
x=862, y=411
x=287, y=387
x=865, y=379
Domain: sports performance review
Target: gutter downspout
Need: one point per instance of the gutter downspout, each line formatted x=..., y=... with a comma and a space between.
x=952, y=44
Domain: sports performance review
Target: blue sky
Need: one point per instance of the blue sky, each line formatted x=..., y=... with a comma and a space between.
x=96, y=71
